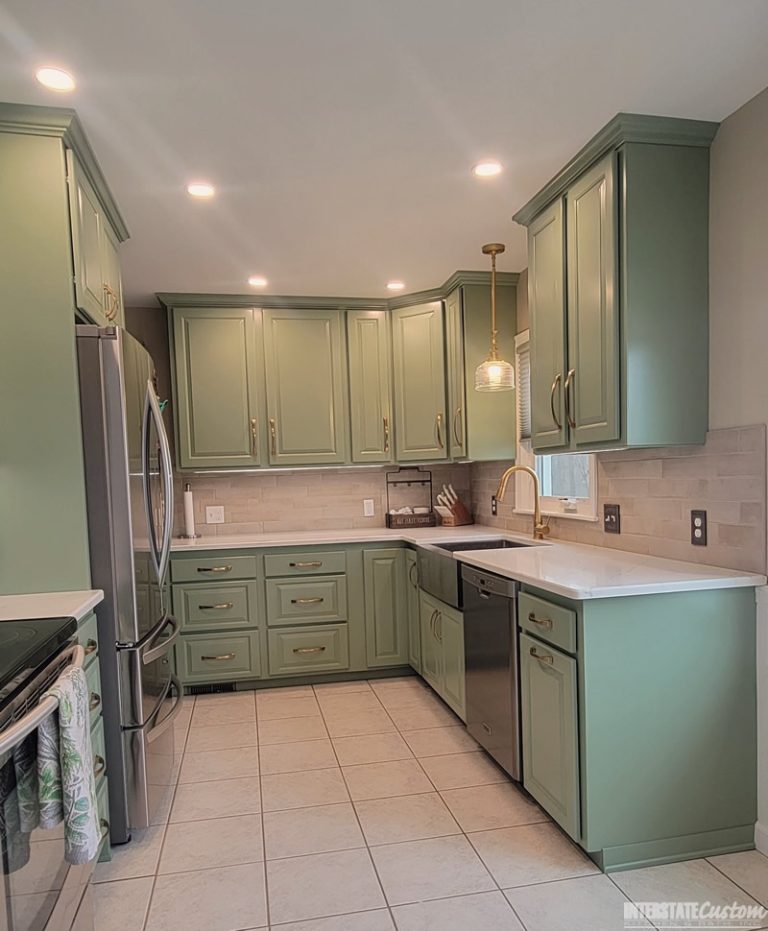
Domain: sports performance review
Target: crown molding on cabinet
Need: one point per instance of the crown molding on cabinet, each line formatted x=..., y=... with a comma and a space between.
x=64, y=124
x=623, y=128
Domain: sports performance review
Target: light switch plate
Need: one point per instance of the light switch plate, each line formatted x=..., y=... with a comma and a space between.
x=367, y=507
x=214, y=515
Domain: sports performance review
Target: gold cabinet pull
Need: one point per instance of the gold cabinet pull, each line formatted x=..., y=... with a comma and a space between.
x=567, y=394
x=90, y=647
x=104, y=824
x=545, y=622
x=307, y=601
x=214, y=568
x=254, y=438
x=94, y=701
x=302, y=650
x=557, y=379
x=315, y=564
x=99, y=765
x=222, y=658
x=456, y=422
x=439, y=430
x=273, y=434
x=413, y=574
x=223, y=606
x=386, y=434
x=542, y=657
x=439, y=626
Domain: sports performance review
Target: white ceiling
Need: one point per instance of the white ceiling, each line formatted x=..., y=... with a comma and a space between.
x=340, y=133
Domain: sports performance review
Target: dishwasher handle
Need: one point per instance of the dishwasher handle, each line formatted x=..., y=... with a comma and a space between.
x=488, y=585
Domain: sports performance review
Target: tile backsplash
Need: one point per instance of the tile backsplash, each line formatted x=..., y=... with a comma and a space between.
x=656, y=490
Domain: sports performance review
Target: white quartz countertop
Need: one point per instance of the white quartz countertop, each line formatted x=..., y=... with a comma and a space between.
x=573, y=570
x=49, y=604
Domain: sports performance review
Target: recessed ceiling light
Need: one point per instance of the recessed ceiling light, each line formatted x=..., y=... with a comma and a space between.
x=201, y=189
x=257, y=281
x=55, y=79
x=487, y=169
x=395, y=285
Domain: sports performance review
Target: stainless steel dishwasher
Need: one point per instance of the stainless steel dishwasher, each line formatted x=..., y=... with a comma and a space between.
x=492, y=669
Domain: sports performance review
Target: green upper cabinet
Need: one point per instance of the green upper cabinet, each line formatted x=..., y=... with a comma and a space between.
x=419, y=377
x=218, y=374
x=386, y=618
x=457, y=404
x=306, y=392
x=616, y=356
x=370, y=395
x=113, y=282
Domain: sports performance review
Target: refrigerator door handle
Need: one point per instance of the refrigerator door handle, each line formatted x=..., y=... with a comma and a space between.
x=155, y=647
x=162, y=554
x=164, y=723
x=145, y=473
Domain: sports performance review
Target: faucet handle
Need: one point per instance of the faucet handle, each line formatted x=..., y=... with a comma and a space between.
x=542, y=529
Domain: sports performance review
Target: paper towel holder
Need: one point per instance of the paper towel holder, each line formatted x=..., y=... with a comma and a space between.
x=193, y=535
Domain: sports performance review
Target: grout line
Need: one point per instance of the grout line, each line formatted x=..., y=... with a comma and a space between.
x=267, y=915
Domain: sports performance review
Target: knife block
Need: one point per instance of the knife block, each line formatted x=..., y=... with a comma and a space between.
x=459, y=517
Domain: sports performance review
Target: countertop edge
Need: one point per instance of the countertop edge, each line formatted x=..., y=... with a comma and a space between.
x=32, y=607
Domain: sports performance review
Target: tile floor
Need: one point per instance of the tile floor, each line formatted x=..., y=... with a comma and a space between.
x=365, y=806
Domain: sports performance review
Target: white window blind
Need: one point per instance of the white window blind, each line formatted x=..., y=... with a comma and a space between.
x=524, y=389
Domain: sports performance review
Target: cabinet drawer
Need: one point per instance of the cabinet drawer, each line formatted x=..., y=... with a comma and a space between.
x=213, y=569
x=306, y=563
x=99, y=748
x=314, y=600
x=93, y=678
x=308, y=649
x=548, y=621
x=88, y=637
x=218, y=657
x=226, y=604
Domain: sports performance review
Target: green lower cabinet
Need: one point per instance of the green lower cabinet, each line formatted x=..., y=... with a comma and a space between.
x=442, y=651
x=302, y=650
x=431, y=652
x=215, y=657
x=386, y=621
x=412, y=602
x=306, y=601
x=222, y=605
x=550, y=731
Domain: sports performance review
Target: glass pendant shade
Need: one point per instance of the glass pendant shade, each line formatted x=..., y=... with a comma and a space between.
x=494, y=375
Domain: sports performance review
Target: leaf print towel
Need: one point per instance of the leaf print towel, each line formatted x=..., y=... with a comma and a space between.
x=78, y=784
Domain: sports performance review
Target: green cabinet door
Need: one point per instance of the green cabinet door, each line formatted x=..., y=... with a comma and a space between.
x=306, y=395
x=386, y=619
x=450, y=631
x=87, y=236
x=454, y=337
x=550, y=731
x=412, y=598
x=113, y=283
x=419, y=376
x=593, y=310
x=546, y=299
x=370, y=401
x=216, y=387
x=431, y=651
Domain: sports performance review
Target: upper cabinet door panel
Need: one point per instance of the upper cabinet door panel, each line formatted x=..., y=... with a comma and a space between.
x=217, y=378
x=593, y=310
x=419, y=375
x=546, y=296
x=87, y=220
x=457, y=414
x=113, y=284
x=306, y=400
x=370, y=401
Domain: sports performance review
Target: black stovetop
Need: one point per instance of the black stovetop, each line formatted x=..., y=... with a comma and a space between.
x=26, y=646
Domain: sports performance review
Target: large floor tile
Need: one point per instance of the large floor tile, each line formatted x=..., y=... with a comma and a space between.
x=409, y=817
x=137, y=858
x=353, y=724
x=412, y=718
x=243, y=699
x=329, y=884
x=291, y=730
x=328, y=688
x=199, y=845
x=748, y=869
x=377, y=920
x=371, y=748
x=457, y=770
x=226, y=899
x=482, y=808
x=484, y=911
x=303, y=790
x=437, y=741
x=320, y=829
x=398, y=684
x=346, y=703
x=121, y=905
x=690, y=881
x=298, y=707
x=221, y=736
x=298, y=756
x=591, y=903
x=430, y=869
x=532, y=853
x=266, y=696
x=219, y=764
x=220, y=798
x=238, y=712
x=385, y=780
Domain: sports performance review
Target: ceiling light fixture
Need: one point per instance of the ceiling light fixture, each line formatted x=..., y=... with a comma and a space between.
x=55, y=79
x=201, y=189
x=487, y=169
x=494, y=374
x=257, y=281
x=395, y=285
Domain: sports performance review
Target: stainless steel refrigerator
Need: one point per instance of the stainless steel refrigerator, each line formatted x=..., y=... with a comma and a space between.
x=129, y=483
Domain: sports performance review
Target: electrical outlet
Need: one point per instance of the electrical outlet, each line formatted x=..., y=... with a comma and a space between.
x=214, y=515
x=611, y=518
x=494, y=505
x=699, y=528
x=367, y=507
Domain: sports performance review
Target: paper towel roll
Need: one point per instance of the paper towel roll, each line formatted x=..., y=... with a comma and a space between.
x=189, y=512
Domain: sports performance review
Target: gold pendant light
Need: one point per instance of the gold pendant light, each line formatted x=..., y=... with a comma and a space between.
x=494, y=374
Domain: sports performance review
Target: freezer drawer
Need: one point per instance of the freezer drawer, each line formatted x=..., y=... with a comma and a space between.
x=146, y=673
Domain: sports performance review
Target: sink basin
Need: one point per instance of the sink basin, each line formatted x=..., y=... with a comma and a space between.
x=455, y=547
